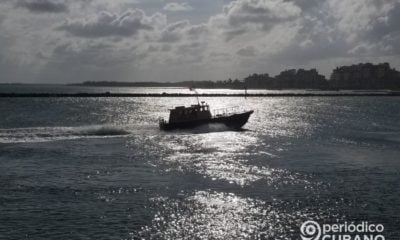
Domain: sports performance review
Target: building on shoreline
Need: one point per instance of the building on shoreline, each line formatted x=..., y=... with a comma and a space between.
x=360, y=76
x=288, y=79
x=365, y=76
x=355, y=77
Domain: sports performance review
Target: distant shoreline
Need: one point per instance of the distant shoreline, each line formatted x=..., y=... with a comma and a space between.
x=361, y=76
x=107, y=94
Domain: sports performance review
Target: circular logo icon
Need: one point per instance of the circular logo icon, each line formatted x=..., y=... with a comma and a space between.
x=310, y=230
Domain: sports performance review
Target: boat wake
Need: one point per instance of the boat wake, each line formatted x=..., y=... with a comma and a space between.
x=45, y=134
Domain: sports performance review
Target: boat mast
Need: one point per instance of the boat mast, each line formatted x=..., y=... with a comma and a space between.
x=197, y=94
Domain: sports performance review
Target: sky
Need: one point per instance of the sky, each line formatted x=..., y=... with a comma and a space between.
x=70, y=41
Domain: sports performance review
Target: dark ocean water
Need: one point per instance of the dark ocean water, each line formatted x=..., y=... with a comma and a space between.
x=99, y=168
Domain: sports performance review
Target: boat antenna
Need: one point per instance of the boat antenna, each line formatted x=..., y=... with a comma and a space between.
x=197, y=94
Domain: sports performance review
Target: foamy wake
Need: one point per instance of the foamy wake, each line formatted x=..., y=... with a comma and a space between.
x=44, y=134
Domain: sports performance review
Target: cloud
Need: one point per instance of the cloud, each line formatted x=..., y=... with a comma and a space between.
x=248, y=16
x=105, y=24
x=182, y=29
x=248, y=51
x=130, y=40
x=307, y=5
x=177, y=7
x=2, y=18
x=383, y=32
x=173, y=32
x=266, y=13
x=43, y=6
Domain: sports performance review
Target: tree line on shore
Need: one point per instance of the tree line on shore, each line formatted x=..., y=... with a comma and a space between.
x=359, y=76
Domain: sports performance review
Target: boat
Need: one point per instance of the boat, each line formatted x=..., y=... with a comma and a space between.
x=182, y=117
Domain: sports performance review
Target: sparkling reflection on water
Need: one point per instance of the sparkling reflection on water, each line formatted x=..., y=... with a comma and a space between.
x=100, y=168
x=216, y=215
x=221, y=155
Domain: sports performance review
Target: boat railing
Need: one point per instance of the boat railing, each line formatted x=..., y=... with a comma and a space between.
x=227, y=111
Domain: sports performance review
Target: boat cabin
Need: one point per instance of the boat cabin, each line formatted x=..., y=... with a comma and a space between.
x=192, y=113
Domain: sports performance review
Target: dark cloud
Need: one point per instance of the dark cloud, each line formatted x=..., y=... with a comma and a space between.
x=182, y=30
x=231, y=34
x=248, y=16
x=322, y=38
x=107, y=24
x=43, y=6
x=264, y=13
x=386, y=29
x=374, y=28
x=307, y=4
